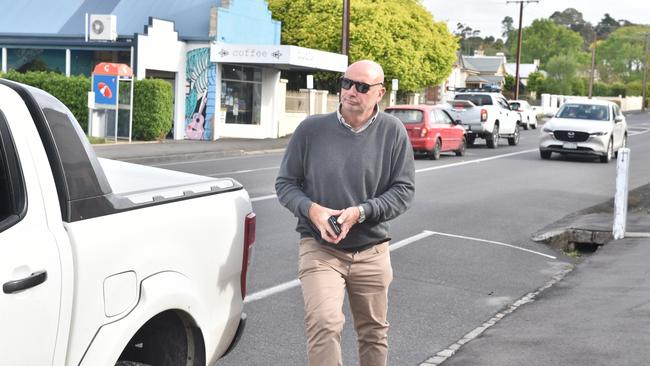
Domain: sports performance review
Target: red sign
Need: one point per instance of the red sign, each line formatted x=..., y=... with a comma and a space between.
x=109, y=68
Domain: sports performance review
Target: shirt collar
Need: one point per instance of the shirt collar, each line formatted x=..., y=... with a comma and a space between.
x=363, y=127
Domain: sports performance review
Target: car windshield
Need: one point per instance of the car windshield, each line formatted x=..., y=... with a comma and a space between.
x=477, y=99
x=584, y=111
x=407, y=115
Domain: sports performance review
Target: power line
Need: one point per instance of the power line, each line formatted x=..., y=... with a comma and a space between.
x=521, y=15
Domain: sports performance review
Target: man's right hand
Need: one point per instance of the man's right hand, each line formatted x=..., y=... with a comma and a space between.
x=318, y=216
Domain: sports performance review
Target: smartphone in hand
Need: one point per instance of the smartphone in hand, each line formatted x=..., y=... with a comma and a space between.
x=334, y=225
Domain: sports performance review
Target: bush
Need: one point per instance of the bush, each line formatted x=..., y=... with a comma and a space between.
x=618, y=89
x=602, y=90
x=152, y=109
x=71, y=91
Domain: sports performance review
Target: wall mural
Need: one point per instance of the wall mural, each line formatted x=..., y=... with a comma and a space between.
x=199, y=103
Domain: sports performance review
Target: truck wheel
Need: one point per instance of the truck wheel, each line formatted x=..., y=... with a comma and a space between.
x=461, y=149
x=492, y=140
x=470, y=140
x=545, y=154
x=435, y=153
x=514, y=140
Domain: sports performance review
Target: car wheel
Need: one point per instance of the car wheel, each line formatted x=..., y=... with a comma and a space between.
x=623, y=145
x=470, y=140
x=435, y=153
x=545, y=154
x=608, y=155
x=514, y=140
x=492, y=140
x=461, y=149
x=534, y=126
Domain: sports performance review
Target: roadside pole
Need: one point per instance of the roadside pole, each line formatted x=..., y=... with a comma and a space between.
x=620, y=197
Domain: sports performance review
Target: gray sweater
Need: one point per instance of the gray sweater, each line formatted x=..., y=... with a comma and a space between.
x=328, y=164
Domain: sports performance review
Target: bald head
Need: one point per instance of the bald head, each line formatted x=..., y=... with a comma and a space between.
x=369, y=70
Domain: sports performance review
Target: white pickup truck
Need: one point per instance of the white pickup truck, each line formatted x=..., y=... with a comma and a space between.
x=109, y=263
x=486, y=115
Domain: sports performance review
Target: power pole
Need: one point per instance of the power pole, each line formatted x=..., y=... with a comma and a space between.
x=521, y=15
x=593, y=66
x=645, y=70
x=345, y=28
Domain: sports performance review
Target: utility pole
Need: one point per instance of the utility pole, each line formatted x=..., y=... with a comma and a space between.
x=645, y=71
x=593, y=66
x=521, y=15
x=345, y=28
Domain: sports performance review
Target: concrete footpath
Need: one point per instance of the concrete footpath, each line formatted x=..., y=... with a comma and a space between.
x=180, y=150
x=596, y=314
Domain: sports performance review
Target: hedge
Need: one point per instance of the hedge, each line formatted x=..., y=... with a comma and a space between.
x=152, y=100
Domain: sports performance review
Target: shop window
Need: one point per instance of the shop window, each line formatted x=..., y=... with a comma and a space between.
x=36, y=59
x=241, y=94
x=82, y=62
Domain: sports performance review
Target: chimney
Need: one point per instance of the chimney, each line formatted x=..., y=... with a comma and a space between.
x=212, y=32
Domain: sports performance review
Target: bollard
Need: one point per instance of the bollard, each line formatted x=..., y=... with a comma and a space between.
x=620, y=197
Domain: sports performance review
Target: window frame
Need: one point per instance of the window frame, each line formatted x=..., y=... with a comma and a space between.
x=17, y=190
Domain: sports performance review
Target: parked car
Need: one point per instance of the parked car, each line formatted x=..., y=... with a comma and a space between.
x=528, y=116
x=431, y=129
x=104, y=262
x=486, y=115
x=586, y=127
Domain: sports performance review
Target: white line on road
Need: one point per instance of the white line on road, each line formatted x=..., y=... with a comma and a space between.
x=222, y=174
x=295, y=283
x=452, y=165
x=490, y=242
x=400, y=244
x=474, y=161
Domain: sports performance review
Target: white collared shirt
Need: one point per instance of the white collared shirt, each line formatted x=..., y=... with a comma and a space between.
x=363, y=127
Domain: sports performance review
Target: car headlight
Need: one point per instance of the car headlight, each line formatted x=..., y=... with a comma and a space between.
x=599, y=133
x=547, y=130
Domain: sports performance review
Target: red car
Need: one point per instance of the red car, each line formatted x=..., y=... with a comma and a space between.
x=431, y=129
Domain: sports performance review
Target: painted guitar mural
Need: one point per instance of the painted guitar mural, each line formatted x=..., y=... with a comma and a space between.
x=195, y=128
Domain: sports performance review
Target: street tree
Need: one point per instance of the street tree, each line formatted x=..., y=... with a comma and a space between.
x=620, y=56
x=574, y=20
x=402, y=36
x=544, y=39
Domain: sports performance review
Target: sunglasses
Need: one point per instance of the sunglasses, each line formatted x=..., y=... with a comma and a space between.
x=362, y=88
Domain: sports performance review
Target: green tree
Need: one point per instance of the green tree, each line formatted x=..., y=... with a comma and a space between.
x=544, y=39
x=402, y=36
x=620, y=56
x=535, y=81
x=573, y=19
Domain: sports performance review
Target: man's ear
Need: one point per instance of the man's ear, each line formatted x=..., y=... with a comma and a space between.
x=381, y=93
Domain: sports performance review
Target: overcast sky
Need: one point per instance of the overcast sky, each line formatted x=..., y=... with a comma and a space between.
x=486, y=15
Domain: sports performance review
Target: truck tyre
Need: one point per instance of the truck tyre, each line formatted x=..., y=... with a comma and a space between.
x=435, y=153
x=492, y=140
x=514, y=140
x=470, y=140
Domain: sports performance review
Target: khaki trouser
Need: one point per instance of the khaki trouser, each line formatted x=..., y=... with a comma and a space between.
x=325, y=273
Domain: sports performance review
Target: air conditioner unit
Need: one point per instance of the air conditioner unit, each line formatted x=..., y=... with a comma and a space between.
x=103, y=27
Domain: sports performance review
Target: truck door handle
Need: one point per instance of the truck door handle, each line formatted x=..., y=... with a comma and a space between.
x=32, y=280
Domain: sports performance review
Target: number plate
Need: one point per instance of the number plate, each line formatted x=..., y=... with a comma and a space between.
x=570, y=145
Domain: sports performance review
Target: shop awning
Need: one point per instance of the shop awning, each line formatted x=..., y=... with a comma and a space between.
x=281, y=57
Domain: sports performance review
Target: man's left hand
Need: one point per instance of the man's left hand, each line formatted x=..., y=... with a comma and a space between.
x=347, y=219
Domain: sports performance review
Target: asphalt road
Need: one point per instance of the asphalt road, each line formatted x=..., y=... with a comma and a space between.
x=460, y=254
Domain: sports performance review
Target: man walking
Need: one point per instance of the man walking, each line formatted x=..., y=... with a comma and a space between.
x=356, y=165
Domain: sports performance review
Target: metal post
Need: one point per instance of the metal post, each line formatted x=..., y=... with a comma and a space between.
x=645, y=71
x=620, y=198
x=593, y=67
x=521, y=14
x=345, y=28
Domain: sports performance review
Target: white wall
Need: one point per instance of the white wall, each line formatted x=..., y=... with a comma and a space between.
x=160, y=49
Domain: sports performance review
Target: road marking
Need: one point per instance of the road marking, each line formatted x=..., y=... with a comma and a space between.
x=242, y=171
x=262, y=198
x=490, y=242
x=216, y=159
x=474, y=161
x=452, y=165
x=295, y=283
x=400, y=244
